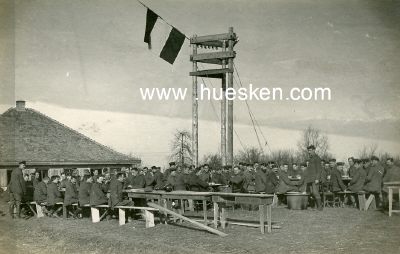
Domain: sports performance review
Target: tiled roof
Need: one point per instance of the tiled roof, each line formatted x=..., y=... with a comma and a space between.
x=36, y=138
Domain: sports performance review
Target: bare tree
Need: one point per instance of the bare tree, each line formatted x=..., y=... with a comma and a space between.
x=250, y=155
x=213, y=160
x=313, y=136
x=181, y=147
x=368, y=151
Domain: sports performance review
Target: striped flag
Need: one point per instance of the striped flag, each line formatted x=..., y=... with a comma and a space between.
x=161, y=38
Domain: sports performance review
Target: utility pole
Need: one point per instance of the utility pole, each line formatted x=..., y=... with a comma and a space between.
x=182, y=152
x=217, y=58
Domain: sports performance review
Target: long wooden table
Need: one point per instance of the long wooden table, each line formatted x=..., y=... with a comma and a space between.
x=163, y=196
x=391, y=187
x=221, y=199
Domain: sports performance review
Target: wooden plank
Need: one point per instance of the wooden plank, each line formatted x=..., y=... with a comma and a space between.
x=214, y=37
x=39, y=211
x=369, y=201
x=262, y=217
x=213, y=55
x=149, y=217
x=211, y=73
x=95, y=214
x=200, y=225
x=216, y=214
x=121, y=213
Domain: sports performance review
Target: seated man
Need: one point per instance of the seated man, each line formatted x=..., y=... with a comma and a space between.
x=194, y=182
x=135, y=180
x=97, y=192
x=40, y=193
x=373, y=182
x=237, y=180
x=116, y=194
x=272, y=180
x=84, y=190
x=158, y=178
x=176, y=180
x=358, y=178
x=53, y=194
x=261, y=179
x=150, y=180
x=392, y=175
x=285, y=184
x=71, y=194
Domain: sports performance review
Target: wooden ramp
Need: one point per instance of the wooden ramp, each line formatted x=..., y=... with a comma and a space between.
x=198, y=224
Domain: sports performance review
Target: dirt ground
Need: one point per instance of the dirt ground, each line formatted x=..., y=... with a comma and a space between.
x=335, y=230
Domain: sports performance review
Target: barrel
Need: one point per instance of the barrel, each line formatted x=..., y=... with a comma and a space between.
x=297, y=200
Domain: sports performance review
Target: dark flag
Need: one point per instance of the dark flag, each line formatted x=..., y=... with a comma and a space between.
x=151, y=19
x=172, y=46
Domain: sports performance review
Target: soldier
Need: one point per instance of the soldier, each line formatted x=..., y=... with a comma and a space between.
x=237, y=180
x=326, y=177
x=392, y=172
x=63, y=180
x=136, y=180
x=195, y=183
x=150, y=181
x=36, y=179
x=17, y=189
x=373, y=181
x=313, y=175
x=172, y=165
x=226, y=174
x=205, y=173
x=176, y=181
x=40, y=193
x=249, y=178
x=159, y=178
x=336, y=179
x=351, y=167
x=71, y=194
x=97, y=193
x=272, y=179
x=285, y=184
x=216, y=176
x=84, y=190
x=53, y=194
x=261, y=179
x=116, y=195
x=357, y=181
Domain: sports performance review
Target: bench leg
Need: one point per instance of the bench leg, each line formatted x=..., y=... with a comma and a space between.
x=369, y=202
x=191, y=205
x=95, y=214
x=390, y=196
x=262, y=224
x=65, y=212
x=121, y=213
x=205, y=211
x=361, y=202
x=216, y=214
x=269, y=218
x=149, y=217
x=223, y=217
x=39, y=211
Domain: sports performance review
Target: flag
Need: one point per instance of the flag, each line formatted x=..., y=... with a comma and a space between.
x=151, y=19
x=161, y=38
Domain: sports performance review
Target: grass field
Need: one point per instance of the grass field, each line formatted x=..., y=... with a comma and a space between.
x=335, y=230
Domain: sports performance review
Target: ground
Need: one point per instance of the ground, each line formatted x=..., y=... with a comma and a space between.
x=335, y=230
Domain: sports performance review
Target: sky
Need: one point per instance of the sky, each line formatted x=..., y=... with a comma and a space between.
x=90, y=55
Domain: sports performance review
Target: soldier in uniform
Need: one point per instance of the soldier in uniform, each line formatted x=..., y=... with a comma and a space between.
x=176, y=180
x=84, y=190
x=351, y=166
x=17, y=189
x=285, y=184
x=116, y=194
x=313, y=175
x=272, y=179
x=159, y=178
x=71, y=194
x=172, y=165
x=357, y=181
x=97, y=193
x=237, y=180
x=261, y=179
x=135, y=180
x=373, y=183
x=40, y=193
x=392, y=173
x=150, y=180
x=53, y=194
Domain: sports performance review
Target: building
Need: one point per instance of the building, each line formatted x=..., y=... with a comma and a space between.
x=28, y=135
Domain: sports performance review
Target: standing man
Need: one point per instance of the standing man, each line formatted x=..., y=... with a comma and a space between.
x=17, y=189
x=373, y=182
x=351, y=166
x=313, y=175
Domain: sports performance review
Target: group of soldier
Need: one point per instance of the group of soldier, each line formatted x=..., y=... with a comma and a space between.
x=315, y=176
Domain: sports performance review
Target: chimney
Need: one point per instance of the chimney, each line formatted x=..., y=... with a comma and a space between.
x=20, y=105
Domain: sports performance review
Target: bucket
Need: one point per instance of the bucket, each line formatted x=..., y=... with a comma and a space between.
x=297, y=201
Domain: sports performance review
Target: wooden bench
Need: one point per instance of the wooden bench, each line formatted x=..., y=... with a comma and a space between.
x=95, y=212
x=361, y=200
x=148, y=214
x=390, y=197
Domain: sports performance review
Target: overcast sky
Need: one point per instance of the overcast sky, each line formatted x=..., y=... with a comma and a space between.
x=91, y=55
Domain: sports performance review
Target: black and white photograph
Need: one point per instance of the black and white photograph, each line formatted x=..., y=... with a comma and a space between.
x=200, y=126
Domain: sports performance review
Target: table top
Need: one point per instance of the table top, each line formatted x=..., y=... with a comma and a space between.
x=252, y=195
x=397, y=183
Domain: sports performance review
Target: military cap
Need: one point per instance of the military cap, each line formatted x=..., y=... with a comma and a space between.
x=303, y=164
x=172, y=163
x=311, y=147
x=153, y=167
x=332, y=160
x=22, y=162
x=340, y=163
x=374, y=158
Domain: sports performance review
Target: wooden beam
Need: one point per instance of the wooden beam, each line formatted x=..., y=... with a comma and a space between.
x=213, y=55
x=212, y=73
x=214, y=37
x=200, y=225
